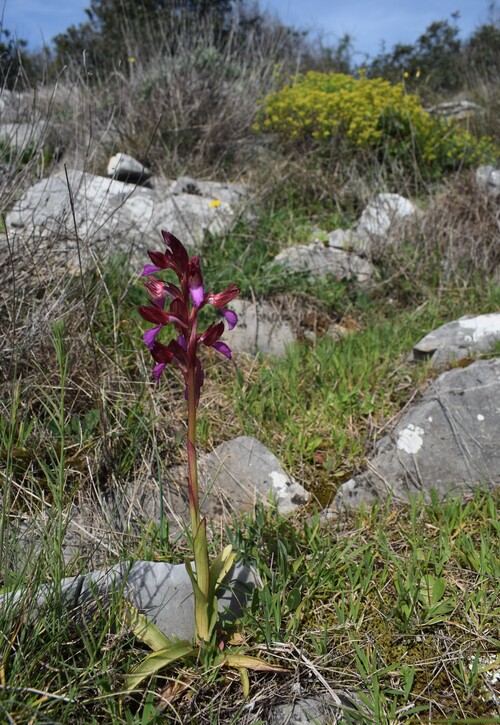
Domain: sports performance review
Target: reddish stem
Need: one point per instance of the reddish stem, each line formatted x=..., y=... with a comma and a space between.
x=194, y=503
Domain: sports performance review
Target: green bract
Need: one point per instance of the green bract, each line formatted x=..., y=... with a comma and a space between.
x=352, y=116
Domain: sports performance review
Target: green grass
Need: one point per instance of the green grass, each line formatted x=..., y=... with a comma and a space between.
x=392, y=602
x=398, y=605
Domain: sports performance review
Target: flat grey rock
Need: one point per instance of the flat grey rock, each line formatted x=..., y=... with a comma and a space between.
x=383, y=214
x=447, y=442
x=21, y=136
x=459, y=339
x=161, y=591
x=315, y=710
x=349, y=240
x=112, y=215
x=488, y=180
x=260, y=328
x=317, y=260
x=232, y=478
x=125, y=168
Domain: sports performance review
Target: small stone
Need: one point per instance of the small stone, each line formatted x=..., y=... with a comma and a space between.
x=459, y=339
x=383, y=213
x=488, y=180
x=125, y=168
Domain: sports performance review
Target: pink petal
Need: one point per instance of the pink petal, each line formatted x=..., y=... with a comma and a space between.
x=157, y=371
x=150, y=335
x=231, y=317
x=222, y=348
x=150, y=269
x=197, y=295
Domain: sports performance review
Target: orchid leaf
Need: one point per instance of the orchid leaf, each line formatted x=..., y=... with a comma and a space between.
x=156, y=661
x=213, y=616
x=245, y=682
x=203, y=630
x=250, y=663
x=200, y=551
x=144, y=629
x=220, y=567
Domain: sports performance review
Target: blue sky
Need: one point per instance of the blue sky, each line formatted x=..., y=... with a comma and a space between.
x=368, y=21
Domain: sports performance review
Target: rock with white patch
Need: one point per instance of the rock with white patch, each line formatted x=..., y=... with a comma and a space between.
x=462, y=338
x=232, y=478
x=446, y=442
x=410, y=439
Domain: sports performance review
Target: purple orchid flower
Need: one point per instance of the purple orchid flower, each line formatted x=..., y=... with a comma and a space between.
x=179, y=305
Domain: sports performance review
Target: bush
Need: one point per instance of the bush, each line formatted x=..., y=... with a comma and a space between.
x=344, y=117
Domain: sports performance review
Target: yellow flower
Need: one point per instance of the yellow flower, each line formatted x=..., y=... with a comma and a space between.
x=131, y=59
x=215, y=203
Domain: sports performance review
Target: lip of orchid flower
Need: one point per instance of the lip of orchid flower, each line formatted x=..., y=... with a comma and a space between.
x=211, y=336
x=230, y=316
x=158, y=370
x=222, y=348
x=150, y=336
x=150, y=269
x=195, y=281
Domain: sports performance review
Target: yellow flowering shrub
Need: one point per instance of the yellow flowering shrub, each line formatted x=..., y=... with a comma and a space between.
x=353, y=115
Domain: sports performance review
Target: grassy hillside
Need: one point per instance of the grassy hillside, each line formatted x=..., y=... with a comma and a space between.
x=399, y=604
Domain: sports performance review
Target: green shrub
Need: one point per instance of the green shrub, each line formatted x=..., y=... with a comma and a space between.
x=346, y=117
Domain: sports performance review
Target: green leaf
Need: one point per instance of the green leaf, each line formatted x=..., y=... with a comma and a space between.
x=144, y=629
x=250, y=663
x=156, y=661
x=200, y=551
x=431, y=589
x=220, y=567
x=201, y=617
x=245, y=682
x=213, y=615
x=438, y=589
x=294, y=599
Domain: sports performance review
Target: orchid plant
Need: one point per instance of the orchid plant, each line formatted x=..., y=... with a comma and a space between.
x=179, y=305
x=185, y=302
